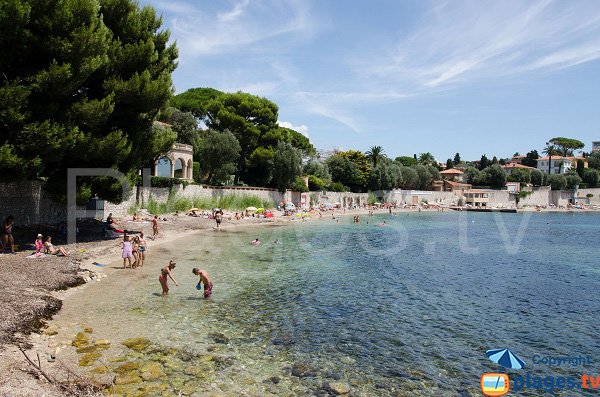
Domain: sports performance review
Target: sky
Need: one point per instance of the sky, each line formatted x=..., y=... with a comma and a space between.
x=474, y=76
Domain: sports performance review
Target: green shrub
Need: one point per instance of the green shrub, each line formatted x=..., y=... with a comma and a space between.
x=299, y=185
x=338, y=187
x=589, y=195
x=163, y=181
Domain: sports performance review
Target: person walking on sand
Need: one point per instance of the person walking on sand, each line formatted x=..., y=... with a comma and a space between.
x=203, y=280
x=126, y=251
x=219, y=218
x=7, y=236
x=154, y=227
x=165, y=274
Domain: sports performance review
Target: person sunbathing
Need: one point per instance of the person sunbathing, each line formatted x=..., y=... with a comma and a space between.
x=52, y=250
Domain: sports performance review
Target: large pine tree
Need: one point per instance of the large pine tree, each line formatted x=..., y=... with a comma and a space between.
x=80, y=83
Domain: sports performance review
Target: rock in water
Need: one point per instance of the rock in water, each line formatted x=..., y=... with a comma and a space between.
x=337, y=388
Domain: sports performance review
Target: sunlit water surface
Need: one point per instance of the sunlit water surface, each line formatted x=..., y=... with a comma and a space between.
x=404, y=309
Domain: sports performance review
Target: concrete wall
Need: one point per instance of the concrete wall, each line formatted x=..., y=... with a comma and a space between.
x=161, y=195
x=346, y=199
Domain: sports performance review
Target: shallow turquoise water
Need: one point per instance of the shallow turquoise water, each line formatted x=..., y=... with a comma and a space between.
x=405, y=309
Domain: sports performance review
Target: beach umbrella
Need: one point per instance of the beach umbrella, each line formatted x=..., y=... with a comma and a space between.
x=260, y=210
x=506, y=358
x=194, y=209
x=290, y=205
x=251, y=209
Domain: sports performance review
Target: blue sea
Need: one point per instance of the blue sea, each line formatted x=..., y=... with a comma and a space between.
x=405, y=308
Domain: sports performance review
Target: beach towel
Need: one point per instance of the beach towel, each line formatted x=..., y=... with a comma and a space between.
x=98, y=264
x=35, y=256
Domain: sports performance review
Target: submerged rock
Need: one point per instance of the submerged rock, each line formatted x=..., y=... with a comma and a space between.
x=303, y=370
x=219, y=338
x=127, y=379
x=337, y=388
x=80, y=340
x=137, y=344
x=89, y=359
x=152, y=371
x=127, y=367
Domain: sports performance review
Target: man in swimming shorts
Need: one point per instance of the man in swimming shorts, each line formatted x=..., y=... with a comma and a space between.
x=203, y=280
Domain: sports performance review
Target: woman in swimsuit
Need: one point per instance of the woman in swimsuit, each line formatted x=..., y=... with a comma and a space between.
x=135, y=251
x=142, y=249
x=52, y=250
x=165, y=274
x=7, y=237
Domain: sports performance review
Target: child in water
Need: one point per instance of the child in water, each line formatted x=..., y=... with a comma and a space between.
x=203, y=280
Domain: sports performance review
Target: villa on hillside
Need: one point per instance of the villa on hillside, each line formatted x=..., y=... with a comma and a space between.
x=510, y=167
x=449, y=186
x=560, y=165
x=453, y=174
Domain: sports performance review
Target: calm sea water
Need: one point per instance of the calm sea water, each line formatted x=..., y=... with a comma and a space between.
x=408, y=308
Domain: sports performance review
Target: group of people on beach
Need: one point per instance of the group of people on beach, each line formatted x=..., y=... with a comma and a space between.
x=133, y=248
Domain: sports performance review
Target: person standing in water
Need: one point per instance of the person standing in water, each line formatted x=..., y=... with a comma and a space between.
x=219, y=218
x=203, y=280
x=165, y=274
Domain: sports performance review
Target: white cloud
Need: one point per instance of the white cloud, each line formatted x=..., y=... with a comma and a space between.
x=302, y=128
x=201, y=30
x=460, y=42
x=234, y=13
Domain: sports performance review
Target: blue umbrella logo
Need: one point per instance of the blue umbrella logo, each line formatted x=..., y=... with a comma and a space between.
x=506, y=358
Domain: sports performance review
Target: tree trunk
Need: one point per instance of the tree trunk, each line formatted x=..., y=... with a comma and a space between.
x=549, y=163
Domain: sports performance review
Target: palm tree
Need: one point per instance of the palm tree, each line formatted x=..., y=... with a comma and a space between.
x=427, y=159
x=374, y=154
x=549, y=150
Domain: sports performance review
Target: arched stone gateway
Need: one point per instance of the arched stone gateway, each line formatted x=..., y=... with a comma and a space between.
x=181, y=157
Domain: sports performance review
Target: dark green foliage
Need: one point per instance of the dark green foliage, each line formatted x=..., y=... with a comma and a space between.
x=218, y=151
x=520, y=175
x=566, y=146
x=288, y=167
x=81, y=83
x=196, y=172
x=386, y=176
x=573, y=180
x=591, y=177
x=457, y=159
x=580, y=168
x=338, y=187
x=317, y=184
x=406, y=161
x=195, y=101
x=530, y=159
x=537, y=178
x=484, y=162
x=299, y=185
x=472, y=175
x=557, y=181
x=449, y=164
x=346, y=172
x=164, y=181
x=494, y=175
x=410, y=178
x=374, y=154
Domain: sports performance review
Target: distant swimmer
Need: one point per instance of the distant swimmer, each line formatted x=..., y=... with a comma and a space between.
x=203, y=280
x=383, y=224
x=255, y=242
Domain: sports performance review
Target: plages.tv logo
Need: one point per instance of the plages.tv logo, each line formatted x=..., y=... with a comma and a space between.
x=498, y=384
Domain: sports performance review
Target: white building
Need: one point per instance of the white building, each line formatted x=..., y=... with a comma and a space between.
x=560, y=165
